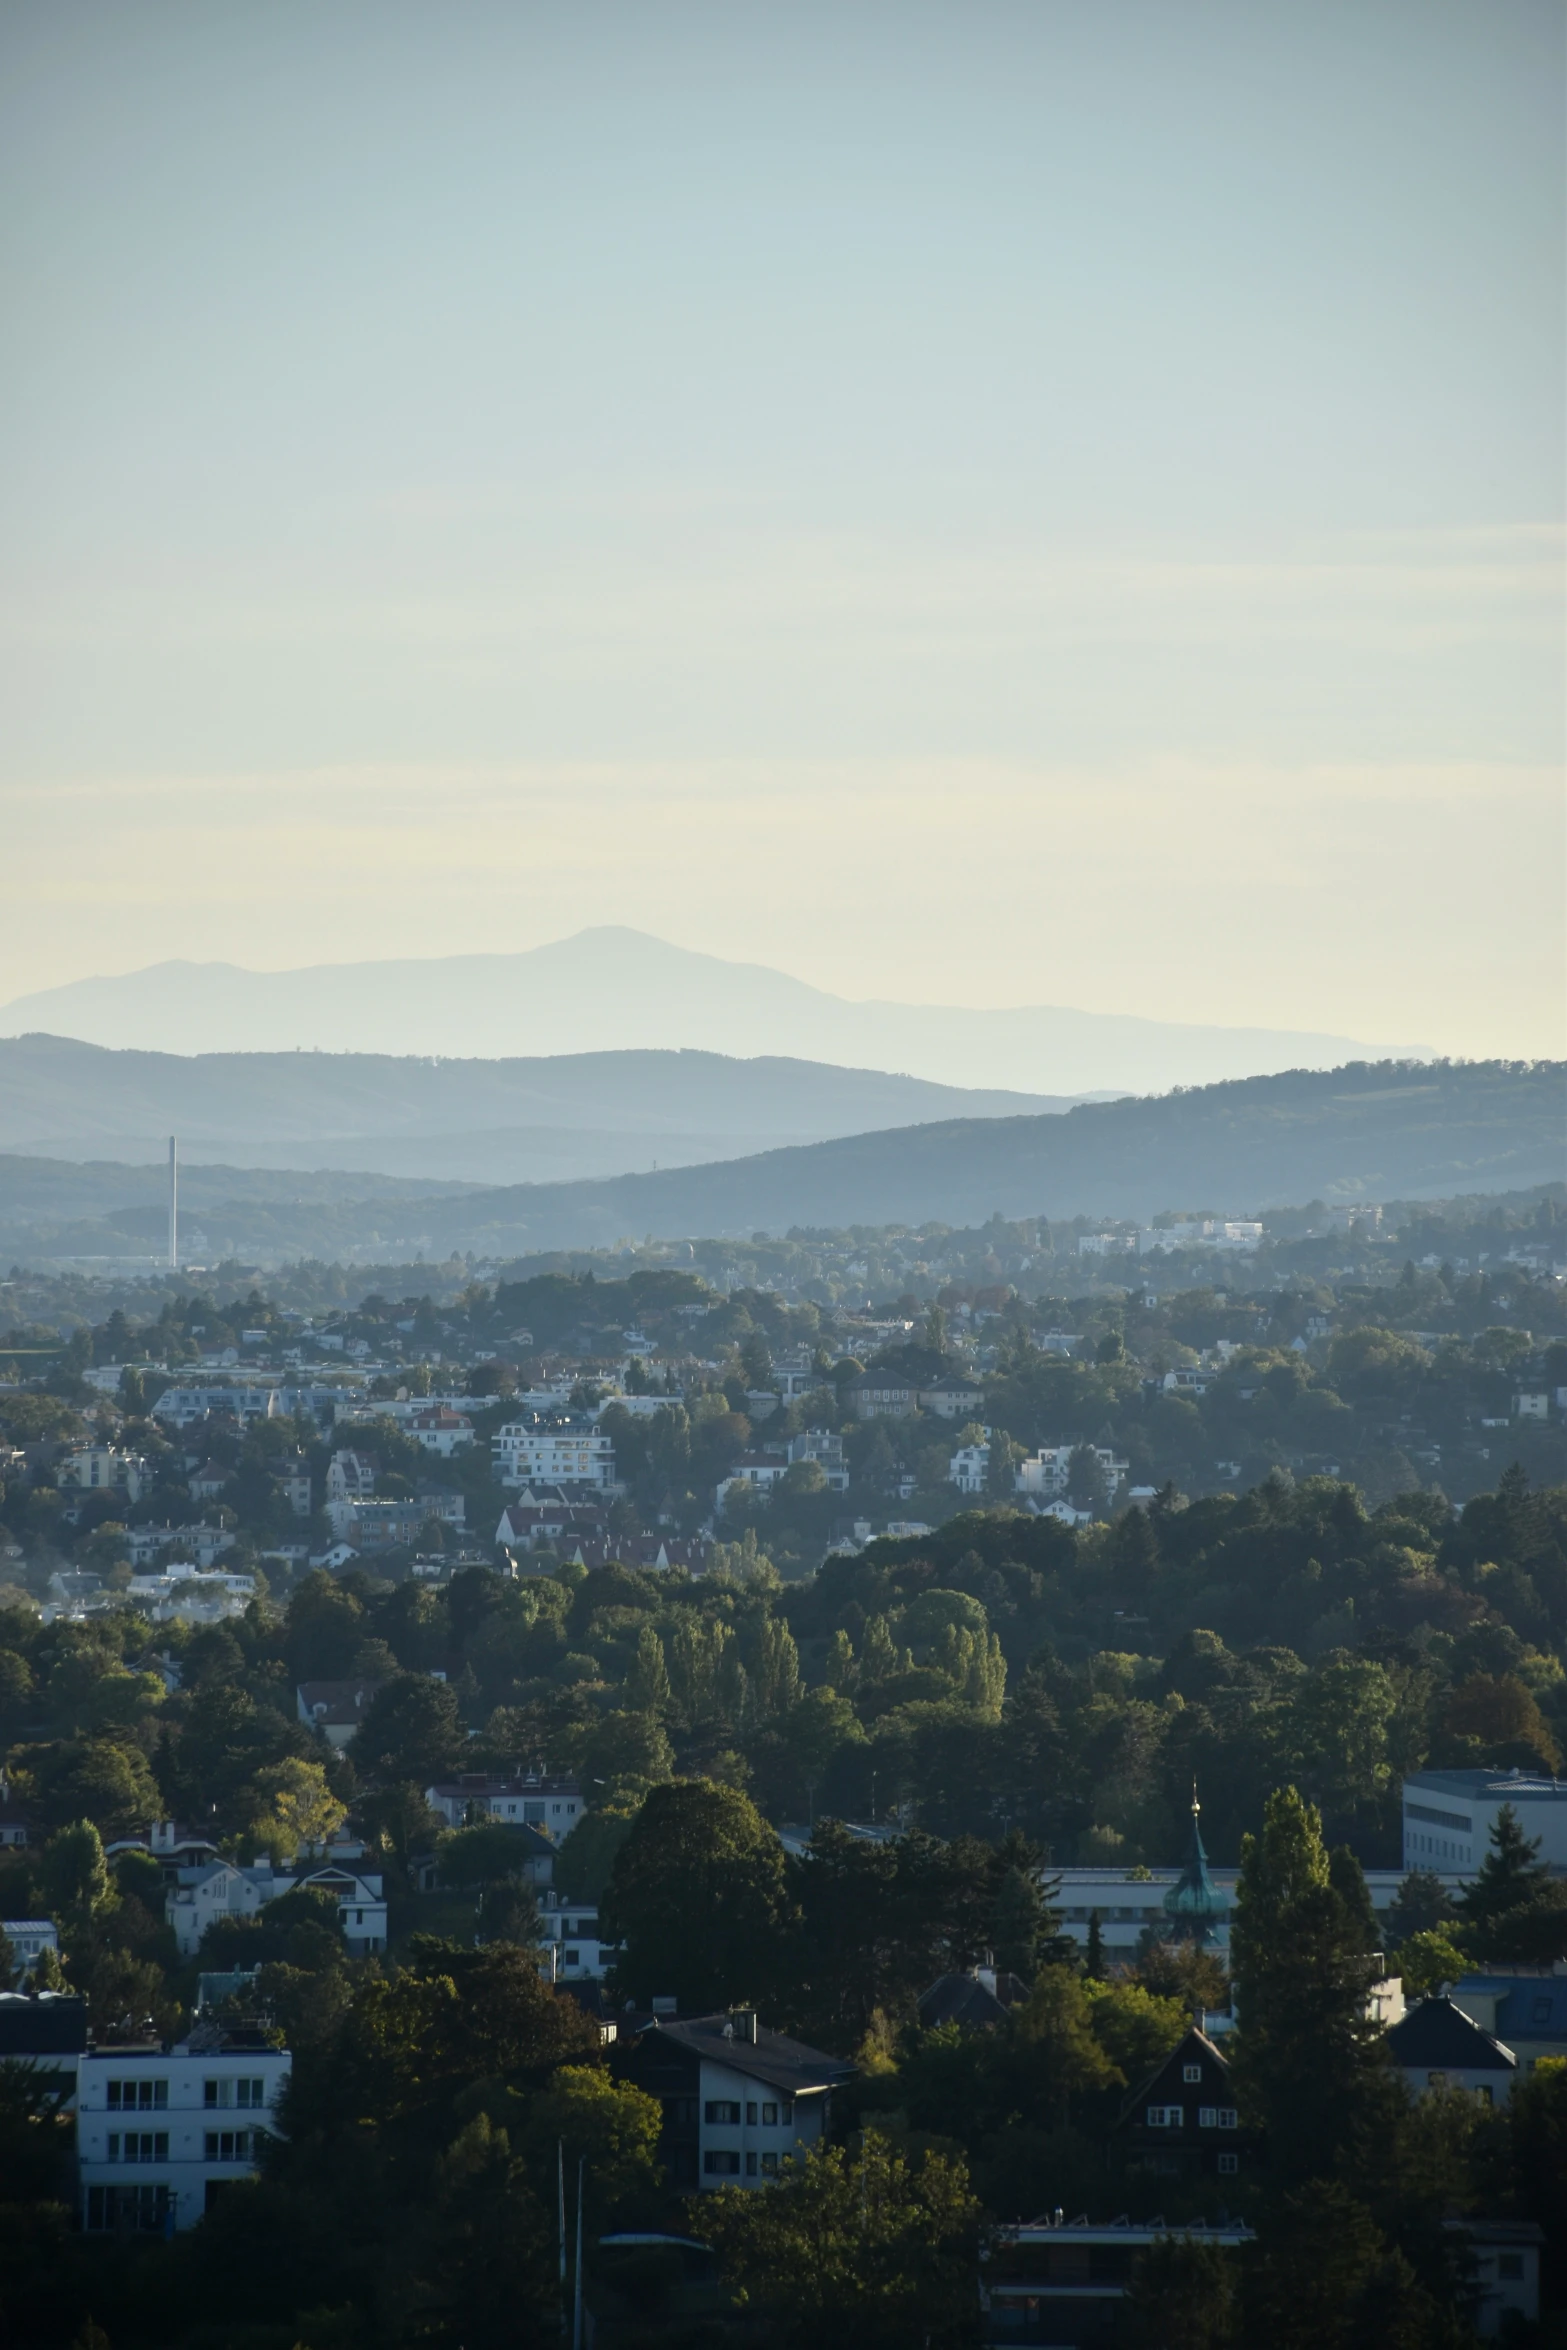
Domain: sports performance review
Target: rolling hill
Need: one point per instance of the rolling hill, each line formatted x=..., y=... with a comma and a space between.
x=1367, y=1131
x=507, y=1121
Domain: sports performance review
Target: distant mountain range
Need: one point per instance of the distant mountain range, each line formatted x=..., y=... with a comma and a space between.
x=1364, y=1132
x=612, y=989
x=511, y=1121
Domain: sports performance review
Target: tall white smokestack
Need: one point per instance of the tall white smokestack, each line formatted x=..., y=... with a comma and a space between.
x=174, y=1203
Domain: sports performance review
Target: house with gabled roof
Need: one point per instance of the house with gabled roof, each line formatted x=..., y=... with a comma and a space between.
x=1435, y=2045
x=1183, y=2119
x=739, y=2100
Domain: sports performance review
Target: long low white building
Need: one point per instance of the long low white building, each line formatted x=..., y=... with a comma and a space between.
x=1449, y=1815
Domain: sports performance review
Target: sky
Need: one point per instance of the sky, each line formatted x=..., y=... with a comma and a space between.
x=975, y=503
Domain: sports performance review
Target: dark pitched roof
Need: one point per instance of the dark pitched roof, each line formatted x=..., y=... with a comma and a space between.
x=1196, y=2046
x=772, y=2057
x=965, y=2000
x=1439, y=2036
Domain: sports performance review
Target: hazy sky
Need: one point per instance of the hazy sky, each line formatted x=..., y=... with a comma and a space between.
x=989, y=503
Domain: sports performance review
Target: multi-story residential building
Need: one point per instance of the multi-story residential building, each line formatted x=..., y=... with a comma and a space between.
x=737, y=2098
x=104, y=1468
x=143, y=1544
x=1046, y=1473
x=161, y=2132
x=388, y=1525
x=969, y=1467
x=351, y=1475
x=1449, y=1815
x=571, y=1937
x=222, y=1889
x=570, y=1453
x=442, y=1431
x=883, y=1395
x=553, y=1805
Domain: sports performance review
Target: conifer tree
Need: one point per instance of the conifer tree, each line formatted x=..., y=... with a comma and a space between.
x=1309, y=2064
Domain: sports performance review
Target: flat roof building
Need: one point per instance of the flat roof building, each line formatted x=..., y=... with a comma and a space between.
x=1449, y=1815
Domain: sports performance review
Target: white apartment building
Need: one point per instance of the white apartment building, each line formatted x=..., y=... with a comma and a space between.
x=351, y=1476
x=553, y=1805
x=969, y=1468
x=526, y=1454
x=1045, y=1474
x=103, y=1468
x=571, y=1937
x=442, y=1431
x=161, y=2132
x=1449, y=1815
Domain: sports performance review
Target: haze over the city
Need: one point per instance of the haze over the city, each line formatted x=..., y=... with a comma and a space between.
x=1018, y=505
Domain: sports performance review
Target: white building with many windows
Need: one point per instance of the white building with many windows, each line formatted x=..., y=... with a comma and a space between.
x=1449, y=1815
x=528, y=1454
x=161, y=2132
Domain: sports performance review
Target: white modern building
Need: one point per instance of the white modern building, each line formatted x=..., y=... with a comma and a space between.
x=1449, y=1815
x=104, y=1468
x=526, y=1454
x=1044, y=1475
x=571, y=1936
x=553, y=1805
x=161, y=2132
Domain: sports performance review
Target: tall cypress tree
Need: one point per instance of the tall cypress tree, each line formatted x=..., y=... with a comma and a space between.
x=1309, y=2065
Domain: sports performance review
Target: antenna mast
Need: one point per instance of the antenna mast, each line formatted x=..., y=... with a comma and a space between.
x=174, y=1204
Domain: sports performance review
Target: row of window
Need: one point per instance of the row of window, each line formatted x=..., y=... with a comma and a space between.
x=721, y=2164
x=153, y=2145
x=770, y=2116
x=148, y=2096
x=1209, y=2117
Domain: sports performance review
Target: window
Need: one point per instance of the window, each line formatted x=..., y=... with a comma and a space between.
x=724, y=2166
x=1166, y=2117
x=227, y=2146
x=128, y=2207
x=1216, y=2117
x=139, y=2146
x=769, y=2166
x=138, y=2096
x=722, y=2109
x=1541, y=2015
x=1509, y=2268
x=571, y=1958
x=1484, y=2094
x=786, y=2112
x=770, y=2117
x=247, y=2093
x=750, y=2117
x=1191, y=2072
x=750, y=2166
x=1228, y=2165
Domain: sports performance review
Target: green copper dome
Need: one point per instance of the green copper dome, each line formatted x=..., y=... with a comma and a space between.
x=1194, y=1904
